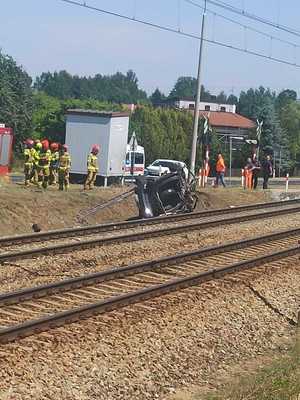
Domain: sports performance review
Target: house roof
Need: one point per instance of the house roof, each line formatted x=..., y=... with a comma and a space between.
x=97, y=113
x=228, y=119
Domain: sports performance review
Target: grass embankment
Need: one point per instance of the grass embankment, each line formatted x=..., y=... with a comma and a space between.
x=279, y=380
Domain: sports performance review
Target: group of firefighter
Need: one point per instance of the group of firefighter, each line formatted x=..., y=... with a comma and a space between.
x=49, y=164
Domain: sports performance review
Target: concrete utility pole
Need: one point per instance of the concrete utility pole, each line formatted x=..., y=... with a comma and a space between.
x=196, y=112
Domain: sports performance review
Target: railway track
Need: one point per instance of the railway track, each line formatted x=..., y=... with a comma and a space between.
x=118, y=226
x=29, y=311
x=136, y=232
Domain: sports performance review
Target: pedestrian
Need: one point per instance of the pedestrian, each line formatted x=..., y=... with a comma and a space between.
x=92, y=167
x=248, y=173
x=220, y=170
x=64, y=165
x=255, y=171
x=267, y=170
x=28, y=160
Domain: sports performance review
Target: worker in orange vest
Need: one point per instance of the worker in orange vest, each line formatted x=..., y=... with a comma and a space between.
x=220, y=170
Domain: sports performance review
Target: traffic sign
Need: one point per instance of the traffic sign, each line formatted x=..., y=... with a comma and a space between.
x=133, y=142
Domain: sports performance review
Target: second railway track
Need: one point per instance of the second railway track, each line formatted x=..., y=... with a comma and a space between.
x=119, y=226
x=136, y=232
x=29, y=311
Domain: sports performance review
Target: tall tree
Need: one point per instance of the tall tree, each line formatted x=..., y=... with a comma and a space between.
x=186, y=87
x=222, y=98
x=291, y=124
x=15, y=97
x=284, y=98
x=116, y=88
x=232, y=99
x=157, y=97
x=49, y=114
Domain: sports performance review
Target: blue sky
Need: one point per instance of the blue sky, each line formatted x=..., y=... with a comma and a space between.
x=48, y=35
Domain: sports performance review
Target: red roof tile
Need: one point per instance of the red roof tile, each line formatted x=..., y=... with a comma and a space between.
x=227, y=119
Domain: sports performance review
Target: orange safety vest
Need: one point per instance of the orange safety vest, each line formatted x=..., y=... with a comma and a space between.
x=220, y=166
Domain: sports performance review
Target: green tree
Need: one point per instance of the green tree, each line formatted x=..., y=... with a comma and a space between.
x=116, y=88
x=284, y=98
x=291, y=124
x=232, y=99
x=164, y=133
x=157, y=97
x=49, y=114
x=15, y=98
x=260, y=104
x=221, y=98
x=186, y=87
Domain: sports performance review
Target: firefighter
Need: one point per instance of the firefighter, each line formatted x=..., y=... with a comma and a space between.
x=64, y=164
x=92, y=167
x=44, y=165
x=36, y=153
x=54, y=163
x=28, y=160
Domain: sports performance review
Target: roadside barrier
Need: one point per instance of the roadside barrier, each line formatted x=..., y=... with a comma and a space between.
x=202, y=177
x=199, y=178
x=287, y=182
x=248, y=179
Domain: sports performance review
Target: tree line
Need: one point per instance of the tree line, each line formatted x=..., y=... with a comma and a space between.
x=37, y=109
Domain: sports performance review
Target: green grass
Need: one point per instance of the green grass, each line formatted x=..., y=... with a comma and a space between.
x=278, y=381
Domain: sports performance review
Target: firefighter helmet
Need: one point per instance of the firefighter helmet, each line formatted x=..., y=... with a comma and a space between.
x=29, y=143
x=45, y=144
x=95, y=148
x=54, y=146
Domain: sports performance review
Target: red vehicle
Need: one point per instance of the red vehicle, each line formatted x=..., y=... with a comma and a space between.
x=6, y=142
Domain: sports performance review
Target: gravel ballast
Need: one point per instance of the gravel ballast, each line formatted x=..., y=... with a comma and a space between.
x=150, y=350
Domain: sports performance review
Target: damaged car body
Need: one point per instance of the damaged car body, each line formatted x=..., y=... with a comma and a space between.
x=170, y=193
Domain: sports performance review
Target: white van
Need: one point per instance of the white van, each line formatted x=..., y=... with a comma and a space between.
x=134, y=160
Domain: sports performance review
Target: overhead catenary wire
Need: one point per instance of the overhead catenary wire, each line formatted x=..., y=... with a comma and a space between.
x=181, y=32
x=248, y=27
x=254, y=17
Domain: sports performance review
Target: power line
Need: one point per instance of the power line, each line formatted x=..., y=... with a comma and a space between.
x=254, y=17
x=182, y=33
x=248, y=27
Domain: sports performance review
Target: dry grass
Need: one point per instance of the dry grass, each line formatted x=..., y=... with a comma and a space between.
x=278, y=381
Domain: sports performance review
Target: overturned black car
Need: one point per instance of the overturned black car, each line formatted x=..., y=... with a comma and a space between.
x=170, y=193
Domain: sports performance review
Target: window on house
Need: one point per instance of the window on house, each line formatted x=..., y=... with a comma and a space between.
x=223, y=109
x=191, y=106
x=207, y=108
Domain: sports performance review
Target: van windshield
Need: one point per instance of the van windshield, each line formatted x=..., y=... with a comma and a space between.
x=138, y=157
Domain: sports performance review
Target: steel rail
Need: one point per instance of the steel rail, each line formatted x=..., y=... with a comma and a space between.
x=80, y=231
x=66, y=247
x=66, y=317
x=40, y=291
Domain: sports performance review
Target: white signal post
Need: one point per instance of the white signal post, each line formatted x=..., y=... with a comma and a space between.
x=258, y=135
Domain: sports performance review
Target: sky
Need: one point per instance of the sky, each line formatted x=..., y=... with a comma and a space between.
x=49, y=35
